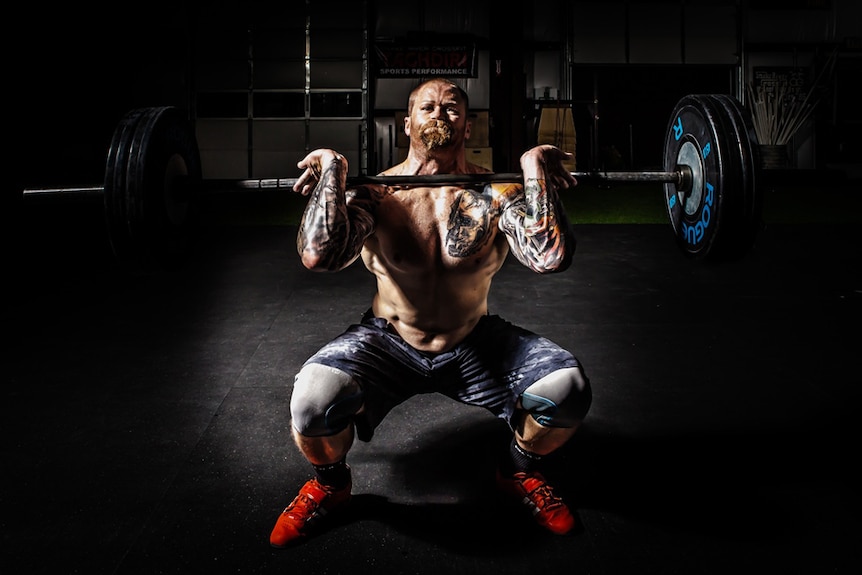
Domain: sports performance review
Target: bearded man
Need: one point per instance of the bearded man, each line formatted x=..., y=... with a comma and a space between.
x=434, y=250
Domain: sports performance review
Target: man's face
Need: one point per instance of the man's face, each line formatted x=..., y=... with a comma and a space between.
x=438, y=118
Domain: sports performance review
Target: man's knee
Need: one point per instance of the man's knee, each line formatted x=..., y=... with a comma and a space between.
x=560, y=399
x=324, y=400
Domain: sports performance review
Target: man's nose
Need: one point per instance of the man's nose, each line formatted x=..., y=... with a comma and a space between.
x=436, y=112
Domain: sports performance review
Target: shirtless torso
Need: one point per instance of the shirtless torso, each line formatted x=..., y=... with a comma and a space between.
x=434, y=250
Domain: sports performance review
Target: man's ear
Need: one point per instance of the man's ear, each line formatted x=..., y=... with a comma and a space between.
x=406, y=126
x=467, y=131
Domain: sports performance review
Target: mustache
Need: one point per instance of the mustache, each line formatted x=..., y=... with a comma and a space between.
x=436, y=133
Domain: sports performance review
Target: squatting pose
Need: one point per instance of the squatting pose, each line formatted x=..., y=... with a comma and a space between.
x=434, y=251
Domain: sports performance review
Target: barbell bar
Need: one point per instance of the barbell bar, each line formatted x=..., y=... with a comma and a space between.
x=678, y=177
x=153, y=182
x=681, y=178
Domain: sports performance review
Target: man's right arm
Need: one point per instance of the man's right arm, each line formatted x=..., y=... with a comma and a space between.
x=336, y=221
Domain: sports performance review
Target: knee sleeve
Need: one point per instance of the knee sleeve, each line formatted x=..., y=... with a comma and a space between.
x=560, y=399
x=324, y=400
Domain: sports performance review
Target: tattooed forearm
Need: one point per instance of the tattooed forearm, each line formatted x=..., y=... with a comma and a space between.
x=327, y=238
x=539, y=233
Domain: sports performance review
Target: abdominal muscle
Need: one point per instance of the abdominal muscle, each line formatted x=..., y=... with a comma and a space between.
x=431, y=298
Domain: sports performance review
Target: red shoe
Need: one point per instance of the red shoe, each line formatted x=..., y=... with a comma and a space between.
x=313, y=503
x=534, y=492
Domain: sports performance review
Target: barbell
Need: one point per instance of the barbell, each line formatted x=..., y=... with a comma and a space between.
x=153, y=182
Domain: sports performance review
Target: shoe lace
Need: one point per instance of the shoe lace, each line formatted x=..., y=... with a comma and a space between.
x=543, y=496
x=302, y=506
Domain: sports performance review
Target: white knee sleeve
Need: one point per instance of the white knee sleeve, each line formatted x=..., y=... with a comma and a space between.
x=324, y=400
x=560, y=399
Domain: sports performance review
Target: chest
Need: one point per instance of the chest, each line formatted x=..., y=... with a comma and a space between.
x=449, y=226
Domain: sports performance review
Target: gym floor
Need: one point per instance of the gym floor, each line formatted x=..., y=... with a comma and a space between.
x=145, y=418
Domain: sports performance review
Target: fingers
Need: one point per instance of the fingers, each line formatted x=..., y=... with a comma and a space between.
x=546, y=162
x=311, y=164
x=567, y=179
x=309, y=177
x=560, y=174
x=306, y=182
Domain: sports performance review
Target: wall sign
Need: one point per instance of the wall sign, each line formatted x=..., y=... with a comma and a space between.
x=440, y=55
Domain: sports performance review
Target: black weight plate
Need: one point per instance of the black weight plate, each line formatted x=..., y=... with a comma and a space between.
x=115, y=181
x=752, y=217
x=700, y=135
x=159, y=196
x=734, y=208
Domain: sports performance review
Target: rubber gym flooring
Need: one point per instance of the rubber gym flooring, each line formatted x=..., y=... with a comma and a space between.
x=145, y=418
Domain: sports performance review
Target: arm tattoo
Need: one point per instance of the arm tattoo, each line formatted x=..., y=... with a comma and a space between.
x=538, y=230
x=335, y=222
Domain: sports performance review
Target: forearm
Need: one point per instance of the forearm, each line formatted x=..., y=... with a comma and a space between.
x=325, y=240
x=539, y=231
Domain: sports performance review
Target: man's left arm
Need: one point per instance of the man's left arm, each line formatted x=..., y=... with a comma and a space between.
x=535, y=223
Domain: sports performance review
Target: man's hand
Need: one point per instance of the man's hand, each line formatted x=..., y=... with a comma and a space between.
x=545, y=162
x=314, y=163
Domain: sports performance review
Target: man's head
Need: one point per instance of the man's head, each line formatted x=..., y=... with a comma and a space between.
x=437, y=115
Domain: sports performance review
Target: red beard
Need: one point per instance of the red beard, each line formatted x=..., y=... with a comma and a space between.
x=436, y=134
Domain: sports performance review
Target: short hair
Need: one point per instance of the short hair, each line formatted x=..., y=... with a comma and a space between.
x=413, y=93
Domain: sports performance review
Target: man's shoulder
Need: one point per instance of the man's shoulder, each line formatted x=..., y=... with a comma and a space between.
x=477, y=169
x=397, y=169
